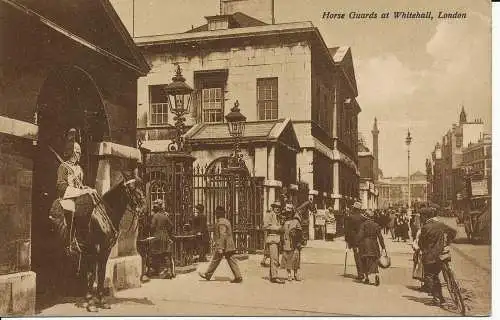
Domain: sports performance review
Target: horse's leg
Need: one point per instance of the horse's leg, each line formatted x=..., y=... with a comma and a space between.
x=102, y=260
x=91, y=275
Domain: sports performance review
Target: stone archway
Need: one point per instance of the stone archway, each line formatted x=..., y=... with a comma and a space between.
x=68, y=98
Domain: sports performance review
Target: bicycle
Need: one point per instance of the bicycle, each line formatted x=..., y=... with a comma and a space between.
x=451, y=282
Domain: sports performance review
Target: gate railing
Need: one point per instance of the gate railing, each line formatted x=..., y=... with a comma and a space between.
x=242, y=198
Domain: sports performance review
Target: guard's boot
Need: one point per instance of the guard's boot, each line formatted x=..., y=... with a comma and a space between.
x=90, y=303
x=102, y=303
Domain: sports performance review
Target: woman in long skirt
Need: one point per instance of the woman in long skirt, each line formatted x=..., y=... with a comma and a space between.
x=369, y=240
x=292, y=243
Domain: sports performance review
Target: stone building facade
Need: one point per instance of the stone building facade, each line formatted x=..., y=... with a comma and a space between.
x=393, y=191
x=64, y=66
x=451, y=149
x=279, y=73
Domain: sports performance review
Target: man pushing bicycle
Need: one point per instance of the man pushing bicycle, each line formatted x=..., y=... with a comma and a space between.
x=434, y=237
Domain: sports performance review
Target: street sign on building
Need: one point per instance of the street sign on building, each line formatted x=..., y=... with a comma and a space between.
x=479, y=188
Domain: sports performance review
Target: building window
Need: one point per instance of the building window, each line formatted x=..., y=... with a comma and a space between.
x=218, y=24
x=212, y=104
x=158, y=106
x=158, y=191
x=267, y=98
x=209, y=95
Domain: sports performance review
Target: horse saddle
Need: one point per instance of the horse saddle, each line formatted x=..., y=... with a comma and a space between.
x=86, y=213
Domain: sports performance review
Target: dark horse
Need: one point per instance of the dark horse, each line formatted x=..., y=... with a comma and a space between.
x=96, y=234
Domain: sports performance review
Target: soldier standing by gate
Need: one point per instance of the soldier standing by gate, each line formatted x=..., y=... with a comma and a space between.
x=273, y=239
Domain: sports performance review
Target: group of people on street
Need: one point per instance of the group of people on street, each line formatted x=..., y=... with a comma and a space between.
x=364, y=236
x=160, y=261
x=283, y=233
x=283, y=236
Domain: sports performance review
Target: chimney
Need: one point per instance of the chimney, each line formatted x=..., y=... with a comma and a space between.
x=262, y=10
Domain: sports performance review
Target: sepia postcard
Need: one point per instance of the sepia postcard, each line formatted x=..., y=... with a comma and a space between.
x=245, y=158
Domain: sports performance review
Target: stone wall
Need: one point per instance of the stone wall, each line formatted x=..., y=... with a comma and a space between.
x=17, y=282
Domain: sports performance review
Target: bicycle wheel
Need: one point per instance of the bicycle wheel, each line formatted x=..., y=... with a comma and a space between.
x=454, y=288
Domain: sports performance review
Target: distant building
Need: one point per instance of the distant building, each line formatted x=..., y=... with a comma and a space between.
x=393, y=191
x=435, y=176
x=477, y=159
x=449, y=177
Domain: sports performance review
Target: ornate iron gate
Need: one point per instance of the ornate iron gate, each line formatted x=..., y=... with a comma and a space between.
x=242, y=197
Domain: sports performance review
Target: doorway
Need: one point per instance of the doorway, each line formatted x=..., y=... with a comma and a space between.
x=69, y=98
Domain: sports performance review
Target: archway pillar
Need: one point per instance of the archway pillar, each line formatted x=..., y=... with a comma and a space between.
x=123, y=270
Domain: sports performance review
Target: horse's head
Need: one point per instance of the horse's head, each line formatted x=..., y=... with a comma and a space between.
x=134, y=189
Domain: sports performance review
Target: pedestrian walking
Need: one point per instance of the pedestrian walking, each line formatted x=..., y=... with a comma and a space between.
x=269, y=215
x=392, y=224
x=418, y=266
x=200, y=227
x=370, y=240
x=162, y=246
x=352, y=225
x=273, y=231
x=292, y=243
x=434, y=236
x=224, y=247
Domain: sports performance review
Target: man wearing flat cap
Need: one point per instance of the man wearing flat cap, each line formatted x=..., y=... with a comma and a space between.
x=273, y=230
x=224, y=247
x=352, y=224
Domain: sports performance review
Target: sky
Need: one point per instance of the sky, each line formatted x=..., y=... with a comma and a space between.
x=411, y=74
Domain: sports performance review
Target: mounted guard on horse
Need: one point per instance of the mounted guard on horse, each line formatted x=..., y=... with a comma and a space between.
x=88, y=224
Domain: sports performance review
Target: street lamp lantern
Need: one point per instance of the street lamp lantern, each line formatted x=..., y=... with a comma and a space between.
x=408, y=138
x=179, y=94
x=236, y=121
x=179, y=100
x=236, y=125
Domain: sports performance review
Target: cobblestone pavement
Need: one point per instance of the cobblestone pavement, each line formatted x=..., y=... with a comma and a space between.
x=324, y=291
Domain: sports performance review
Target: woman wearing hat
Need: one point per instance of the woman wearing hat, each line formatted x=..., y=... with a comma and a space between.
x=161, y=248
x=292, y=243
x=369, y=240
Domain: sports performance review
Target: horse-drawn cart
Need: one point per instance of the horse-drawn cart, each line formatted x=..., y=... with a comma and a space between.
x=477, y=224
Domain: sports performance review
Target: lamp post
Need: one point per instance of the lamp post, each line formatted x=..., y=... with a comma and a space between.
x=408, y=142
x=178, y=161
x=236, y=126
x=179, y=101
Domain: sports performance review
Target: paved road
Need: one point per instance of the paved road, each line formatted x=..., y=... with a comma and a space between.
x=324, y=291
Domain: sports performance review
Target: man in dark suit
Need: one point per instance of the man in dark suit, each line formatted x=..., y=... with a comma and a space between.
x=352, y=225
x=224, y=247
x=434, y=236
x=200, y=227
